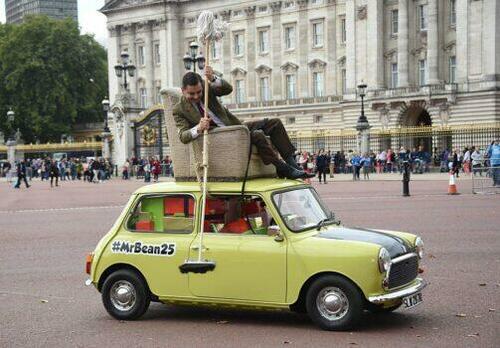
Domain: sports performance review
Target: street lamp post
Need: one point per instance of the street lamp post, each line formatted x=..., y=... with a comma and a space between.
x=193, y=58
x=106, y=134
x=11, y=141
x=121, y=70
x=362, y=126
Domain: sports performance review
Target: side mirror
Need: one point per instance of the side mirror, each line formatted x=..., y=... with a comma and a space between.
x=275, y=231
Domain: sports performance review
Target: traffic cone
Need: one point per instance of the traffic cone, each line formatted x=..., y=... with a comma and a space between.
x=452, y=188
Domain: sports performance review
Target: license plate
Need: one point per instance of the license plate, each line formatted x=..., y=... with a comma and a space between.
x=413, y=300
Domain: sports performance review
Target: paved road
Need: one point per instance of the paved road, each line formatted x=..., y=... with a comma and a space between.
x=45, y=234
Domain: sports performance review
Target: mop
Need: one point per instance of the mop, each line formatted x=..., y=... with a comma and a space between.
x=208, y=29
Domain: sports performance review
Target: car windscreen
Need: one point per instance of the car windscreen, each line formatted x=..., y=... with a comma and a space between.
x=300, y=208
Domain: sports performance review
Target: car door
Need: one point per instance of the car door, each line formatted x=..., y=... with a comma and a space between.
x=159, y=232
x=248, y=267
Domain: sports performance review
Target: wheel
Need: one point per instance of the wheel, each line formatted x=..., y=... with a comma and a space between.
x=334, y=303
x=378, y=309
x=125, y=295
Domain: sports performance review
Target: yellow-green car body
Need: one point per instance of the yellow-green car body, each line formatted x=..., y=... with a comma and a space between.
x=273, y=265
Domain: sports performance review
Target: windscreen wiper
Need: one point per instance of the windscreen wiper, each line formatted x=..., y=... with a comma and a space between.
x=322, y=222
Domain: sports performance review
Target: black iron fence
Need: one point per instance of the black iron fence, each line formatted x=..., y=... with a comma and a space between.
x=432, y=139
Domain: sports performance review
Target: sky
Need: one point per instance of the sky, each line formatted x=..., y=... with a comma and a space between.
x=90, y=21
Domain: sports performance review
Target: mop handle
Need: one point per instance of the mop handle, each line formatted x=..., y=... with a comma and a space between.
x=205, y=156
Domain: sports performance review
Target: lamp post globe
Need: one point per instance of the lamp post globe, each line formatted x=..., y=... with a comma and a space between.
x=11, y=115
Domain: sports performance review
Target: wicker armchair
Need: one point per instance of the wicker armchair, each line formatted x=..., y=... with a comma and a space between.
x=227, y=150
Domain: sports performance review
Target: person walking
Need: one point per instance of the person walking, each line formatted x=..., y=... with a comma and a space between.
x=125, y=170
x=466, y=161
x=53, y=173
x=321, y=165
x=356, y=166
x=21, y=174
x=494, y=157
x=366, y=163
x=477, y=160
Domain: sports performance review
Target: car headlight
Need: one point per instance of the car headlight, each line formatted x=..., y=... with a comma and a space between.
x=419, y=246
x=384, y=260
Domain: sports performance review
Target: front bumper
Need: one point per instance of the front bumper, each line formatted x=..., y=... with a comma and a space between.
x=417, y=286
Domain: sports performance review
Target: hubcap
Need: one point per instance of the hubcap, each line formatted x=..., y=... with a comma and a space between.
x=123, y=295
x=332, y=303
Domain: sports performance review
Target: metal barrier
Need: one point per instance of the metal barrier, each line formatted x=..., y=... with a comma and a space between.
x=486, y=180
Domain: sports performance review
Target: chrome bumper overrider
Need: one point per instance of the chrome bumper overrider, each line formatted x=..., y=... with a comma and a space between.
x=419, y=285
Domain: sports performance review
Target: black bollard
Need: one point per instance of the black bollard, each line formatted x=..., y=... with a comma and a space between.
x=406, y=179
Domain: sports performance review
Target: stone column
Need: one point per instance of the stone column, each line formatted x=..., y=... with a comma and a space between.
x=432, y=43
x=113, y=59
x=276, y=51
x=331, y=36
x=149, y=52
x=350, y=16
x=462, y=42
x=164, y=52
x=11, y=154
x=226, y=48
x=173, y=59
x=403, y=43
x=491, y=40
x=303, y=50
x=130, y=30
x=375, y=68
x=251, y=41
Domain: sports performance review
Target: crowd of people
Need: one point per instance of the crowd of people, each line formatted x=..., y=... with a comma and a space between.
x=467, y=160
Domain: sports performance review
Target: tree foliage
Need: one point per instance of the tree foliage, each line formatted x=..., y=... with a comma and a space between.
x=52, y=77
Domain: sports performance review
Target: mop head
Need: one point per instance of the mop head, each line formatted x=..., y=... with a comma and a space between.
x=209, y=28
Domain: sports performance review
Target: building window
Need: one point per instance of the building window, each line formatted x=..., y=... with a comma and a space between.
x=290, y=37
x=317, y=34
x=290, y=120
x=394, y=75
x=291, y=85
x=318, y=118
x=317, y=2
x=238, y=44
x=317, y=84
x=394, y=22
x=264, y=89
x=453, y=69
x=215, y=49
x=141, y=55
x=343, y=30
x=240, y=91
x=453, y=12
x=262, y=9
x=143, y=95
x=289, y=4
x=344, y=81
x=157, y=54
x=422, y=72
x=422, y=17
x=263, y=41
x=237, y=13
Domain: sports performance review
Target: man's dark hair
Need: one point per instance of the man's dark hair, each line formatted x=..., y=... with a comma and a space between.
x=191, y=79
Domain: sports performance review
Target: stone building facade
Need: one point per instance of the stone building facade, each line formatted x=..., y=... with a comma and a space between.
x=425, y=62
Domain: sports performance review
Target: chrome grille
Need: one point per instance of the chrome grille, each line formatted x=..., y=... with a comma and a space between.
x=403, y=272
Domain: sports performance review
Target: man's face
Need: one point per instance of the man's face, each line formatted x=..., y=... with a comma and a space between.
x=193, y=93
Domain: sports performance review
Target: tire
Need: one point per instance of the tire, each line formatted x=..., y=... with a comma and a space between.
x=345, y=306
x=377, y=309
x=125, y=295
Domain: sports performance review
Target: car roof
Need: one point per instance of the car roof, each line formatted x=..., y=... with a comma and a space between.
x=253, y=185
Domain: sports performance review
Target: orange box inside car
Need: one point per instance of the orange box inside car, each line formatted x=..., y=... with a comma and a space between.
x=178, y=205
x=145, y=225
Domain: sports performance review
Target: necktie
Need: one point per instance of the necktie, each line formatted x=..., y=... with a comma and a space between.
x=202, y=112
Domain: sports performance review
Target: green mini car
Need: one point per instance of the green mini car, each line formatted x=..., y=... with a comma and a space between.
x=276, y=246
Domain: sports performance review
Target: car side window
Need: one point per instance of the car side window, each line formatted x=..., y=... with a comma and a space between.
x=236, y=215
x=163, y=214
